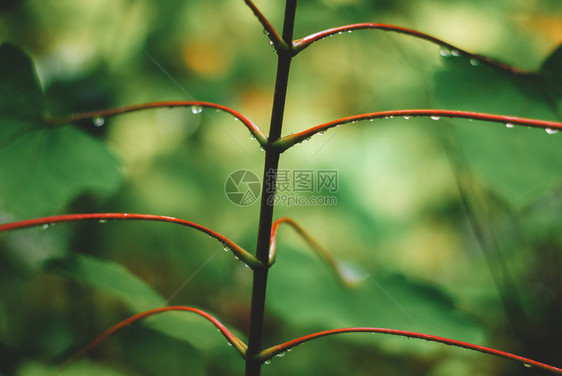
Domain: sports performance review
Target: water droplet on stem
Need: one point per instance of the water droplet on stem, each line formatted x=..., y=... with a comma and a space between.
x=509, y=125
x=434, y=117
x=551, y=131
x=98, y=121
x=196, y=109
x=445, y=52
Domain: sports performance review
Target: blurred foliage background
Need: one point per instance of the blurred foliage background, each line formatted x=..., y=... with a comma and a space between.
x=453, y=227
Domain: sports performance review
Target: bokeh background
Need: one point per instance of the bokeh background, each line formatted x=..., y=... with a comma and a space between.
x=450, y=228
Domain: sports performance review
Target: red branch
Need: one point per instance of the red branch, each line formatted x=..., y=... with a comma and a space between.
x=231, y=338
x=273, y=238
x=286, y=142
x=238, y=251
x=273, y=36
x=272, y=351
x=327, y=257
x=256, y=132
x=301, y=44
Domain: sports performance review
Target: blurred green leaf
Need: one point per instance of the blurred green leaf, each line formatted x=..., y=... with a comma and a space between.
x=518, y=164
x=21, y=93
x=42, y=167
x=307, y=296
x=115, y=279
x=551, y=71
x=82, y=368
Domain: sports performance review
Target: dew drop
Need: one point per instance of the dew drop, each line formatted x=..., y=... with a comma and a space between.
x=444, y=52
x=236, y=119
x=289, y=350
x=349, y=31
x=435, y=117
x=509, y=125
x=229, y=344
x=280, y=355
x=406, y=117
x=98, y=121
x=252, y=137
x=527, y=365
x=265, y=32
x=455, y=53
x=354, y=121
x=340, y=32
x=225, y=248
x=196, y=109
x=45, y=226
x=551, y=131
x=262, y=148
x=102, y=221
x=271, y=43
x=267, y=362
x=474, y=62
x=321, y=133
x=371, y=119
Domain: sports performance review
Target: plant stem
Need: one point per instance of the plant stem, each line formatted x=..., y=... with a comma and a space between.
x=253, y=365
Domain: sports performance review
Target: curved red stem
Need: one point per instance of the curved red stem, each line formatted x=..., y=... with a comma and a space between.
x=235, y=341
x=286, y=142
x=273, y=238
x=327, y=257
x=272, y=351
x=301, y=44
x=238, y=251
x=273, y=36
x=256, y=132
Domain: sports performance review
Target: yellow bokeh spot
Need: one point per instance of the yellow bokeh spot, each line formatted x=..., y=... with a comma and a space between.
x=210, y=58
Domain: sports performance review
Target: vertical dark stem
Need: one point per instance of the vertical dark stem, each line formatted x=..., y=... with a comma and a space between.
x=253, y=367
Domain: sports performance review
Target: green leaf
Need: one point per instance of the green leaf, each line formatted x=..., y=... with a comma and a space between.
x=304, y=293
x=517, y=164
x=42, y=167
x=551, y=72
x=21, y=96
x=113, y=278
x=81, y=368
